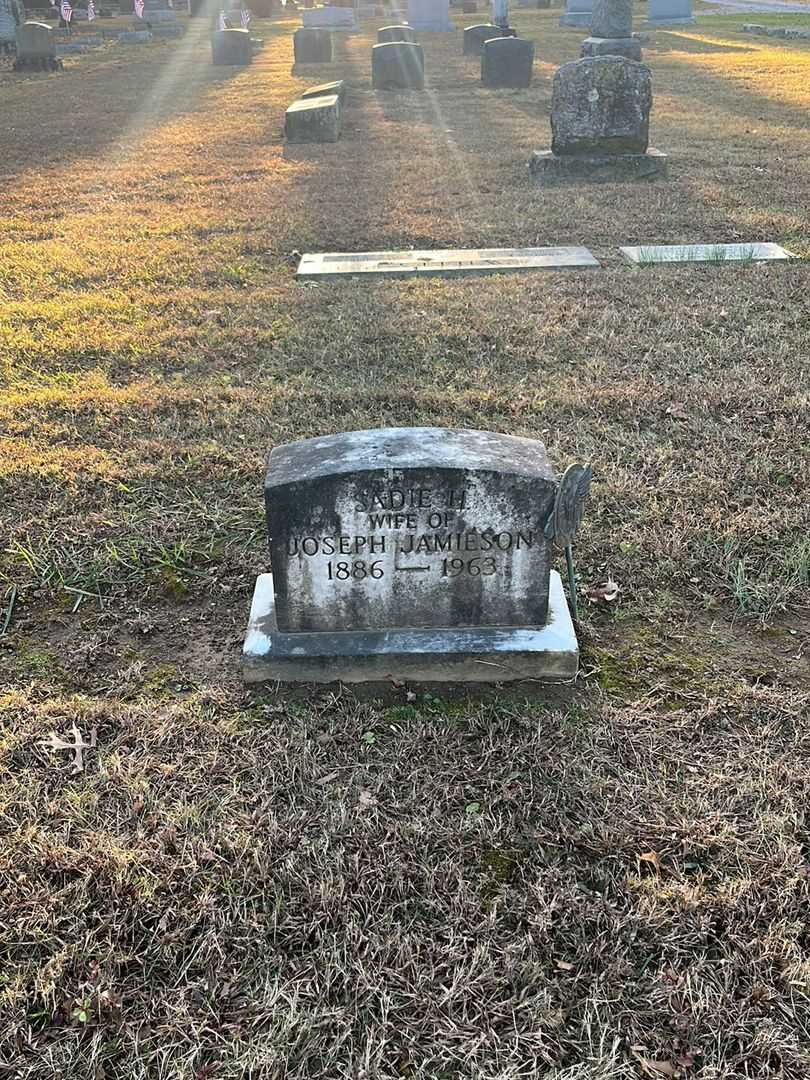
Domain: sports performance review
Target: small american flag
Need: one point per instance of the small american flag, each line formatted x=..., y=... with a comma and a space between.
x=91, y=10
x=138, y=5
x=66, y=11
x=244, y=18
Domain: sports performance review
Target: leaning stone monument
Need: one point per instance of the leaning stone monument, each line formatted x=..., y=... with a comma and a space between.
x=414, y=553
x=612, y=30
x=600, y=119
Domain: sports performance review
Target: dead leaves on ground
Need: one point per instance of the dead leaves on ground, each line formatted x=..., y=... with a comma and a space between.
x=77, y=746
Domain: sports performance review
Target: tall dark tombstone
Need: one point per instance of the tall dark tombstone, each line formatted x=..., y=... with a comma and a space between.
x=231, y=47
x=612, y=31
x=507, y=62
x=398, y=65
x=313, y=46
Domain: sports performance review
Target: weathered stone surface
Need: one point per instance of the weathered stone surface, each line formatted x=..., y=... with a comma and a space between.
x=507, y=62
x=327, y=89
x=143, y=37
x=395, y=33
x=316, y=119
x=409, y=527
x=577, y=13
x=398, y=65
x=443, y=263
x=475, y=36
x=612, y=18
x=715, y=253
x=231, y=47
x=312, y=46
x=475, y=655
x=627, y=46
x=431, y=15
x=601, y=105
x=547, y=168
x=468, y=7
x=35, y=41
x=669, y=12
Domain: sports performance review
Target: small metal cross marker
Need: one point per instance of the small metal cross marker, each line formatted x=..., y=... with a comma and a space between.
x=78, y=746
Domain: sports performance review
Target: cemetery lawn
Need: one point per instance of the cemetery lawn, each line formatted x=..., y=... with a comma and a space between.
x=608, y=881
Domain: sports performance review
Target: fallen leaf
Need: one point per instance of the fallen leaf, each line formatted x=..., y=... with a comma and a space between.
x=366, y=799
x=327, y=778
x=78, y=746
x=603, y=592
x=563, y=965
x=410, y=697
x=652, y=858
x=657, y=1068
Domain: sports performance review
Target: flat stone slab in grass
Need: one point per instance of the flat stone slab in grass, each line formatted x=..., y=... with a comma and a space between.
x=469, y=655
x=316, y=119
x=448, y=262
x=680, y=253
x=326, y=89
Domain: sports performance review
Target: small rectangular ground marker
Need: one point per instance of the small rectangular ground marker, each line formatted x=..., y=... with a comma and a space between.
x=713, y=253
x=447, y=262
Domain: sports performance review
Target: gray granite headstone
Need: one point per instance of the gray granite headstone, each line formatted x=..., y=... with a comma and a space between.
x=412, y=551
x=35, y=41
x=231, y=47
x=669, y=13
x=507, y=62
x=313, y=46
x=475, y=36
x=601, y=105
x=577, y=13
x=314, y=119
x=431, y=15
x=398, y=65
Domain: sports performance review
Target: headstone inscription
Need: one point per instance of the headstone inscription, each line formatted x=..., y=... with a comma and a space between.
x=410, y=552
x=314, y=119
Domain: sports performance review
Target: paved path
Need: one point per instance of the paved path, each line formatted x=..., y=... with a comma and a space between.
x=754, y=7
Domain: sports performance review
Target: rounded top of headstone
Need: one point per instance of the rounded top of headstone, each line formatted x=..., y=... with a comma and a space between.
x=408, y=448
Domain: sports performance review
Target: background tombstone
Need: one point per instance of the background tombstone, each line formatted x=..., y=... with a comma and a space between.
x=395, y=33
x=600, y=116
x=330, y=17
x=313, y=46
x=398, y=65
x=430, y=15
x=231, y=47
x=612, y=31
x=507, y=62
x=475, y=36
x=36, y=47
x=577, y=13
x=669, y=13
x=410, y=552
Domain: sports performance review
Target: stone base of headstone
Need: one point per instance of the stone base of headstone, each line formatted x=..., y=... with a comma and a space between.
x=398, y=65
x=507, y=62
x=395, y=33
x=466, y=655
x=314, y=119
x=596, y=46
x=327, y=89
x=231, y=48
x=549, y=169
x=311, y=46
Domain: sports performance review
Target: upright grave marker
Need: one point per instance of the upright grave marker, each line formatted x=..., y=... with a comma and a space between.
x=420, y=553
x=612, y=31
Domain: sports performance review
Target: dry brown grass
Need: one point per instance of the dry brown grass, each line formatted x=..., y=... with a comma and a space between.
x=260, y=887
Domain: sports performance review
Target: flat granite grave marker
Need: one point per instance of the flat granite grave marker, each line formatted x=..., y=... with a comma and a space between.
x=443, y=263
x=327, y=89
x=420, y=553
x=714, y=253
